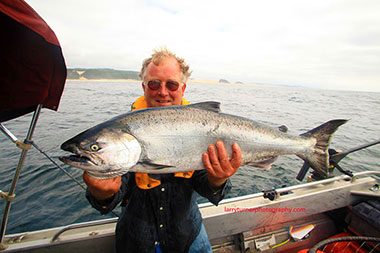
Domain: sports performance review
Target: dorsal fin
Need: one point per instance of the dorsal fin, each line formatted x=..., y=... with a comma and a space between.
x=208, y=105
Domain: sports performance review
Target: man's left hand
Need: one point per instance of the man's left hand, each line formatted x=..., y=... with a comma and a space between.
x=219, y=167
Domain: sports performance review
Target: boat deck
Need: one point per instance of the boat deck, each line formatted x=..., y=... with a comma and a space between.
x=236, y=225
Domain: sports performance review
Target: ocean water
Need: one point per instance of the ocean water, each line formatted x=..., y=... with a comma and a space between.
x=46, y=197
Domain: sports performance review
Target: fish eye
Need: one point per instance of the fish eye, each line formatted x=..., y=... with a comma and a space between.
x=94, y=147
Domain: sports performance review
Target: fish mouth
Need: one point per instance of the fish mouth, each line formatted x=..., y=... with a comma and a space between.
x=75, y=158
x=78, y=160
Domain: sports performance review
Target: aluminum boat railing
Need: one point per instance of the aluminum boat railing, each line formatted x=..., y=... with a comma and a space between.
x=230, y=200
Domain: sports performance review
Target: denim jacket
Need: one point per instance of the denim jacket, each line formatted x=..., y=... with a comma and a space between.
x=167, y=215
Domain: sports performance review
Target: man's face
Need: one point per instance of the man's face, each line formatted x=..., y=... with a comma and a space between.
x=167, y=71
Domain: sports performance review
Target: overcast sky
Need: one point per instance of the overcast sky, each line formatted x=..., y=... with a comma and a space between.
x=324, y=44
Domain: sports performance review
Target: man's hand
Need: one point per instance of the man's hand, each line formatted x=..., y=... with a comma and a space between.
x=102, y=188
x=219, y=167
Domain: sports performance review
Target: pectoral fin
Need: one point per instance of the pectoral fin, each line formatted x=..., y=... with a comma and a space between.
x=146, y=166
x=153, y=166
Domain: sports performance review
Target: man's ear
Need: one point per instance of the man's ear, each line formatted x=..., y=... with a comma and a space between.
x=183, y=88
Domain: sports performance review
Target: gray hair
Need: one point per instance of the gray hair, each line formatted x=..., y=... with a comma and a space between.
x=157, y=57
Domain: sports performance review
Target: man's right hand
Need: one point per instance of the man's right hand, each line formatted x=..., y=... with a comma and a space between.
x=102, y=188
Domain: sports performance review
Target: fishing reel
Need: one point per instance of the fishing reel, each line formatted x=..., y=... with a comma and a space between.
x=334, y=158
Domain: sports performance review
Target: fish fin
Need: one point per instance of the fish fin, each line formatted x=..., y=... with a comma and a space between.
x=146, y=165
x=263, y=164
x=158, y=169
x=208, y=105
x=319, y=159
x=283, y=128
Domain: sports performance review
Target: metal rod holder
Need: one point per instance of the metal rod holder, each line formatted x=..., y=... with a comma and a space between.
x=19, y=167
x=8, y=133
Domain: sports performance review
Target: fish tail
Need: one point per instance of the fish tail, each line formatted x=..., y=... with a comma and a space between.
x=319, y=158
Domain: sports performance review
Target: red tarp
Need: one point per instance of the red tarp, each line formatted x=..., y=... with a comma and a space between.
x=32, y=67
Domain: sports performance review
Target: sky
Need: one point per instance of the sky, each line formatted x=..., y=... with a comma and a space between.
x=332, y=44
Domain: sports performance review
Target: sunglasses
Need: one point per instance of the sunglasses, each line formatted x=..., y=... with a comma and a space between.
x=170, y=85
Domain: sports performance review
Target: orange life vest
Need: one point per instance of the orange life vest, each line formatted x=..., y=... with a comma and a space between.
x=143, y=180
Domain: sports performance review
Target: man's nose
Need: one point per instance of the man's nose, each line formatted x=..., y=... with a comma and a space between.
x=163, y=91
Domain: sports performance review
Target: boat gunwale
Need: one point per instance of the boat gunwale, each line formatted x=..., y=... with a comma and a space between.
x=89, y=224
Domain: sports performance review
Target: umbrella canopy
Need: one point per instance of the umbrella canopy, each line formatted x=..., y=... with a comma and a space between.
x=32, y=67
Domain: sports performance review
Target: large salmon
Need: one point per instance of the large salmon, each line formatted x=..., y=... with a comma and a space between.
x=172, y=139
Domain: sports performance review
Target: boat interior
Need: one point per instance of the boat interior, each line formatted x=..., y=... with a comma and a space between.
x=289, y=219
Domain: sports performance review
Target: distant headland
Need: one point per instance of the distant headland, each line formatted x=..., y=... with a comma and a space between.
x=106, y=74
x=91, y=74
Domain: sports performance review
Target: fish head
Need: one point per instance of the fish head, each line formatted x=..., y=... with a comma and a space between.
x=103, y=152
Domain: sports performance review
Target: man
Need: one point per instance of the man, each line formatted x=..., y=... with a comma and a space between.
x=160, y=211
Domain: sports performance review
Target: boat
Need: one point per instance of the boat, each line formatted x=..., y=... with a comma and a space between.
x=341, y=205
x=330, y=214
x=33, y=75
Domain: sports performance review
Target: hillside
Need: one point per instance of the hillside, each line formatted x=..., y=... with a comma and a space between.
x=79, y=73
x=112, y=74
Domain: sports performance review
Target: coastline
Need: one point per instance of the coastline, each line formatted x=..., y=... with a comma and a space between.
x=195, y=80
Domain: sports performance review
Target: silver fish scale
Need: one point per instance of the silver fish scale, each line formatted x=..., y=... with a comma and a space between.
x=177, y=136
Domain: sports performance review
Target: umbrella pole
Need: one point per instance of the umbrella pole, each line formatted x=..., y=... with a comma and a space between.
x=10, y=196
